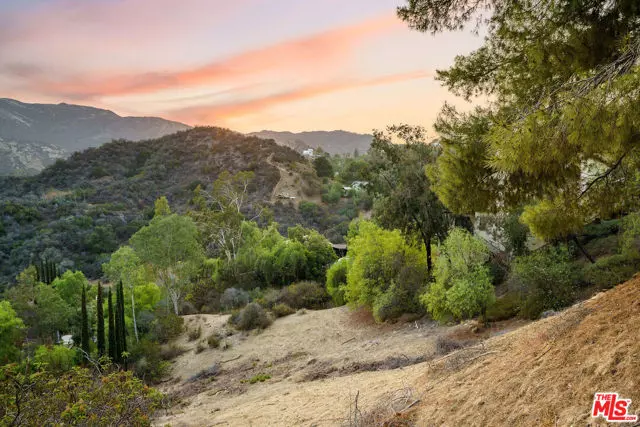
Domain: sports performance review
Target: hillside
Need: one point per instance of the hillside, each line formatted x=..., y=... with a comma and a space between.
x=71, y=128
x=79, y=210
x=544, y=373
x=333, y=142
x=27, y=158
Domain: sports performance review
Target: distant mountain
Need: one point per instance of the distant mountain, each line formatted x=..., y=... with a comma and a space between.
x=27, y=158
x=33, y=130
x=333, y=142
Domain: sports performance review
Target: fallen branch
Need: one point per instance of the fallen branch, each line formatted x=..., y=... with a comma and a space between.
x=232, y=359
x=349, y=340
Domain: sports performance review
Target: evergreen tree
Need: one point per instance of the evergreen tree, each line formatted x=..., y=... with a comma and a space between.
x=113, y=354
x=121, y=335
x=84, y=337
x=100, y=321
x=118, y=327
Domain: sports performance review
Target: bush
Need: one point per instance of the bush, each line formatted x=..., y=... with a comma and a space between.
x=233, y=298
x=148, y=363
x=446, y=345
x=546, y=279
x=378, y=259
x=57, y=358
x=171, y=352
x=611, y=270
x=213, y=340
x=463, y=286
x=337, y=280
x=194, y=334
x=282, y=310
x=310, y=295
x=253, y=316
x=200, y=348
x=77, y=397
x=167, y=326
x=505, y=307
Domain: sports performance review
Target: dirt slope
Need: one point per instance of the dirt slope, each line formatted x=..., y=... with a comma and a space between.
x=543, y=374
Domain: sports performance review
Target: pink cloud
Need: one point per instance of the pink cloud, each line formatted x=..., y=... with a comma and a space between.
x=215, y=113
x=309, y=54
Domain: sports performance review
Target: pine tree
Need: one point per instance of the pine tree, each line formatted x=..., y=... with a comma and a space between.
x=84, y=337
x=113, y=354
x=100, y=321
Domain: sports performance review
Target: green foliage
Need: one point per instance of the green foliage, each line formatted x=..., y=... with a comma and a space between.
x=463, y=286
x=170, y=245
x=112, y=327
x=11, y=333
x=381, y=262
x=167, y=327
x=611, y=270
x=57, y=358
x=630, y=235
x=332, y=193
x=282, y=310
x=40, y=397
x=505, y=307
x=404, y=197
x=47, y=271
x=69, y=286
x=323, y=166
x=253, y=316
x=100, y=341
x=259, y=378
x=233, y=298
x=40, y=306
x=194, y=334
x=148, y=363
x=540, y=143
x=337, y=280
x=84, y=337
x=213, y=340
x=546, y=279
x=309, y=295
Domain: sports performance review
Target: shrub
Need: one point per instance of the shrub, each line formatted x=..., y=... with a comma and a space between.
x=77, y=397
x=233, y=298
x=57, y=358
x=253, y=316
x=546, y=279
x=378, y=259
x=506, y=307
x=337, y=280
x=282, y=310
x=213, y=340
x=611, y=270
x=167, y=326
x=260, y=378
x=148, y=363
x=446, y=345
x=194, y=334
x=463, y=286
x=310, y=295
x=171, y=352
x=200, y=348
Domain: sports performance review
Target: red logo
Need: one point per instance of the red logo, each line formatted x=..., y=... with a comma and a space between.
x=613, y=408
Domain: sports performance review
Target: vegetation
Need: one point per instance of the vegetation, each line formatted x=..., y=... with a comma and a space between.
x=462, y=287
x=253, y=316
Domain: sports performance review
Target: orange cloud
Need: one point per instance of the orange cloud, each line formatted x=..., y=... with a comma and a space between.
x=309, y=54
x=216, y=113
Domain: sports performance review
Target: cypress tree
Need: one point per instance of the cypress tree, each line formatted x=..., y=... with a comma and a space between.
x=84, y=337
x=112, y=328
x=123, y=332
x=100, y=320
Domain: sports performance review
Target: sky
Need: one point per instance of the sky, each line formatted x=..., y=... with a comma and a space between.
x=248, y=65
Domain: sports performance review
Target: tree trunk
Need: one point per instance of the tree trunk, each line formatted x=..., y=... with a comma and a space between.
x=583, y=250
x=133, y=313
x=427, y=244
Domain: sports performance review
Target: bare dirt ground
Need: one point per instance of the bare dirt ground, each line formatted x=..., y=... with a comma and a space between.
x=317, y=362
x=544, y=373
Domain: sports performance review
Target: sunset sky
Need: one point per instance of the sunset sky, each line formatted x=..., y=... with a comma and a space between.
x=245, y=64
